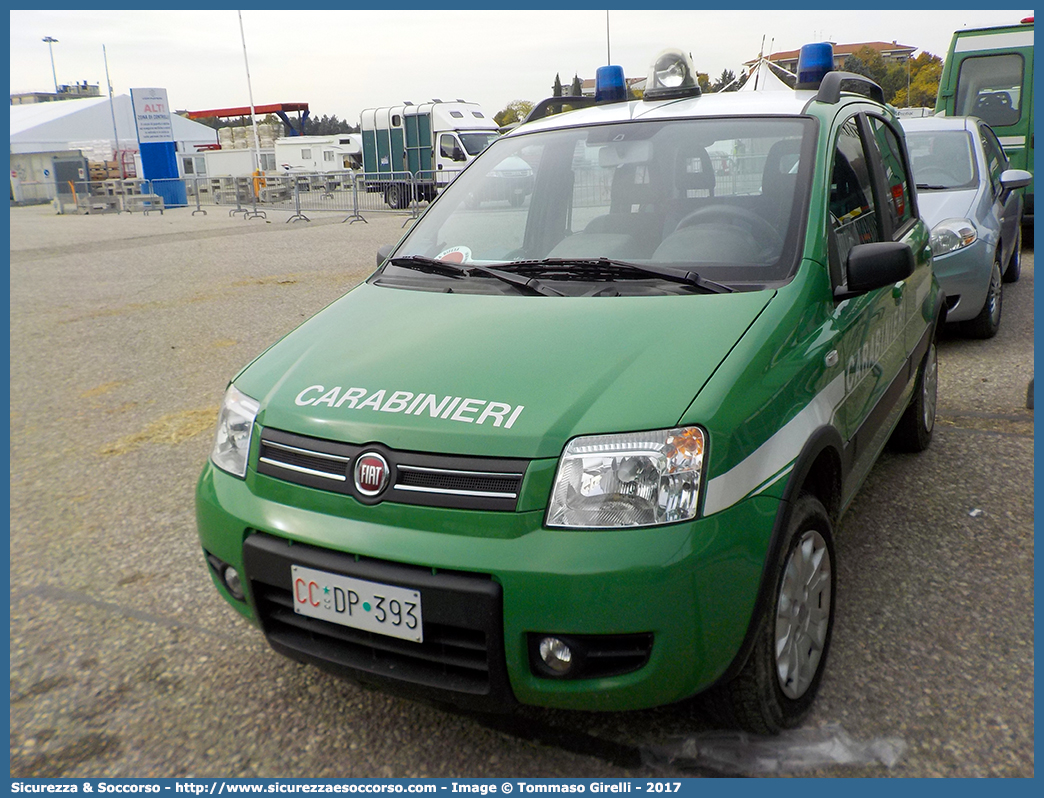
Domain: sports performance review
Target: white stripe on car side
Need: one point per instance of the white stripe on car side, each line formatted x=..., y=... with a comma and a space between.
x=760, y=468
x=1012, y=141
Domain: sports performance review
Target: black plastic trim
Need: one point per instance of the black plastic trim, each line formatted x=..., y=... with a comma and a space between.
x=544, y=107
x=832, y=85
x=461, y=661
x=597, y=656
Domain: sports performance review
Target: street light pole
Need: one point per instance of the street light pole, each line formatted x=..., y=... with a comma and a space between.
x=250, y=94
x=51, y=41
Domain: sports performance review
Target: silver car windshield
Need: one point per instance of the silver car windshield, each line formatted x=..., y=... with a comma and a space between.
x=723, y=197
x=942, y=160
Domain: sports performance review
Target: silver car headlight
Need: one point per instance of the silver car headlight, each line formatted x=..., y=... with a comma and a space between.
x=952, y=234
x=630, y=479
x=234, y=428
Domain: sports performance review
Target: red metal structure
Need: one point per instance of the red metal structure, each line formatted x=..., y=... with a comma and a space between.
x=279, y=109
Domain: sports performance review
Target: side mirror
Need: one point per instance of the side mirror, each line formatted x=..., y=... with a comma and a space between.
x=458, y=154
x=876, y=265
x=383, y=253
x=1011, y=179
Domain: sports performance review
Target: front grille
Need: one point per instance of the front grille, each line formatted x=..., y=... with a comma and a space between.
x=461, y=659
x=473, y=483
x=478, y=483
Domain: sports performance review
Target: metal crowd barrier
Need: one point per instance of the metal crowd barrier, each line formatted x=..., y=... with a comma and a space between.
x=302, y=195
x=32, y=192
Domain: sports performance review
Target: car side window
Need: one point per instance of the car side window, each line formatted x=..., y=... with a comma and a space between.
x=448, y=146
x=996, y=160
x=853, y=212
x=899, y=206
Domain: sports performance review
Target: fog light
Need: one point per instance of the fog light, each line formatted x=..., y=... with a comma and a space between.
x=230, y=576
x=556, y=655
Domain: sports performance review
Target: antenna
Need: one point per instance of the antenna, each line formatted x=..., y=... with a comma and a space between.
x=608, y=54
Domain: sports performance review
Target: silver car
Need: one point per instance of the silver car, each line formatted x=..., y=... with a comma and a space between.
x=966, y=194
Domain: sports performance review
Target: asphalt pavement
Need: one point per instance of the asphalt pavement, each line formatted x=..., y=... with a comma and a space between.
x=125, y=661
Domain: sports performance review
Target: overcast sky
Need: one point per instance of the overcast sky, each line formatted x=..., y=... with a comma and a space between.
x=342, y=61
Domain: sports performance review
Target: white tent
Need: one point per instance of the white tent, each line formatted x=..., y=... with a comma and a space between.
x=762, y=78
x=87, y=124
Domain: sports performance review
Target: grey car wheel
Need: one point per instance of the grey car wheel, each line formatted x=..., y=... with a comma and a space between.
x=803, y=614
x=987, y=323
x=777, y=684
x=1014, y=268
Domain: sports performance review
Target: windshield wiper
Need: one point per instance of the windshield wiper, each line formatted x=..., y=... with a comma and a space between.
x=589, y=266
x=525, y=285
x=930, y=187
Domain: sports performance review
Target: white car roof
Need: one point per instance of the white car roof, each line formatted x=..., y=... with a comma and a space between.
x=939, y=123
x=769, y=103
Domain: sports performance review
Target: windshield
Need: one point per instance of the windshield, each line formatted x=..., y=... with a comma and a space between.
x=475, y=143
x=724, y=200
x=942, y=160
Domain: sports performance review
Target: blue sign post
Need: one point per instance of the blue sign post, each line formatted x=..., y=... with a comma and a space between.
x=159, y=160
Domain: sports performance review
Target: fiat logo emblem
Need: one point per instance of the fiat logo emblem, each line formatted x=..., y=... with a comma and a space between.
x=371, y=474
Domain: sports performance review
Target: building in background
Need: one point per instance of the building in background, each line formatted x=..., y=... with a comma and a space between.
x=43, y=131
x=71, y=91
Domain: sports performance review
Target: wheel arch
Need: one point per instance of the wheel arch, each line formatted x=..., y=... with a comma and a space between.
x=818, y=471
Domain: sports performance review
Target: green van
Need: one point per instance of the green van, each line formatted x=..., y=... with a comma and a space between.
x=989, y=74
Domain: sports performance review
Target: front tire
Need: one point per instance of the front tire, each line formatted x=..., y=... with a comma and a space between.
x=1014, y=268
x=777, y=685
x=396, y=196
x=987, y=323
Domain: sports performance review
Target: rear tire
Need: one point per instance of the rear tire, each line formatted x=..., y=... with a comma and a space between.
x=914, y=431
x=777, y=685
x=987, y=323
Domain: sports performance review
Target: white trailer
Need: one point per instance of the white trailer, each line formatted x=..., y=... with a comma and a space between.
x=319, y=154
x=236, y=162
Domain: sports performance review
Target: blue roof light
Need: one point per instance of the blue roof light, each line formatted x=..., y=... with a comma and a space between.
x=814, y=61
x=610, y=86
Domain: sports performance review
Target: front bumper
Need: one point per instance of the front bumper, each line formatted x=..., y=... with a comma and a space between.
x=692, y=586
x=965, y=275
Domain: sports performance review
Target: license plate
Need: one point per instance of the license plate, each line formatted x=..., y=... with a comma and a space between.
x=371, y=606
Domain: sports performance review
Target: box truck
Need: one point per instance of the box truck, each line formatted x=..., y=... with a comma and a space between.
x=421, y=147
x=989, y=74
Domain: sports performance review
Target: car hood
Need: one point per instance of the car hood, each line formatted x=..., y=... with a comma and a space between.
x=494, y=375
x=935, y=206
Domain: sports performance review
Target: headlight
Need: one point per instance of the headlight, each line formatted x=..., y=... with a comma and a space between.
x=234, y=427
x=631, y=479
x=952, y=234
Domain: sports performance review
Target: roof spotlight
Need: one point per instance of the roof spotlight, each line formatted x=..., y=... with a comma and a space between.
x=671, y=76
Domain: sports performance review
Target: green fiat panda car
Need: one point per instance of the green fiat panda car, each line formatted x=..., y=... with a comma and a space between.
x=588, y=451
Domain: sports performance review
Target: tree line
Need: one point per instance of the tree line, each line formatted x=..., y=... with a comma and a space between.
x=313, y=126
x=913, y=83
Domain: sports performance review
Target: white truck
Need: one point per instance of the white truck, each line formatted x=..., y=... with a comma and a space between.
x=421, y=147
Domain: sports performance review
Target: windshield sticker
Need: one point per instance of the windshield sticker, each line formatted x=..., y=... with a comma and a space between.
x=455, y=255
x=449, y=408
